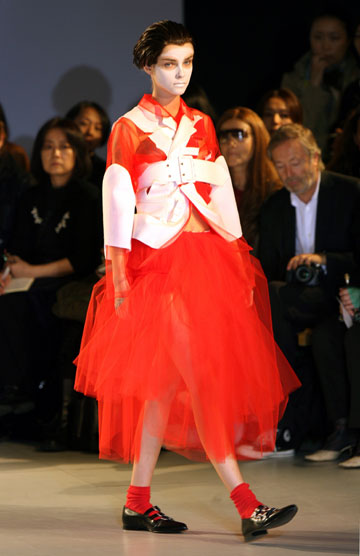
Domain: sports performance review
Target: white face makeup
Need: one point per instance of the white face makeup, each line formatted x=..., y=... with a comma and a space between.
x=172, y=72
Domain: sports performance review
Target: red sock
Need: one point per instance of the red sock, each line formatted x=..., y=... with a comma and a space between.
x=244, y=500
x=138, y=499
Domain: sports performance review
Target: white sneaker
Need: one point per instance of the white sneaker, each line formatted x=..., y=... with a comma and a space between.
x=278, y=453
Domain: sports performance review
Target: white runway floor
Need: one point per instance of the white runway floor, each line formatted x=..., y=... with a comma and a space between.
x=70, y=504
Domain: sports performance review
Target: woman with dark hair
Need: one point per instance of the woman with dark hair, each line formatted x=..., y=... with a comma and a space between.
x=57, y=237
x=243, y=141
x=322, y=74
x=17, y=152
x=173, y=347
x=279, y=107
x=94, y=124
x=346, y=154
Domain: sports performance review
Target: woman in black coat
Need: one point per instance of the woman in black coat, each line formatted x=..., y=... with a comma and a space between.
x=57, y=237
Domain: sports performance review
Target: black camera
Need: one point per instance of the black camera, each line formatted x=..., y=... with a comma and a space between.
x=307, y=275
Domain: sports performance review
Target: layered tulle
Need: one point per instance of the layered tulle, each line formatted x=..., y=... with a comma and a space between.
x=189, y=354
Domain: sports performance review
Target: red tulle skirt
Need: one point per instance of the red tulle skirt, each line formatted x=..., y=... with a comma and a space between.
x=189, y=357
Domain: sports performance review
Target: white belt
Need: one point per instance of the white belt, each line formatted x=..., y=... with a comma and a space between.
x=183, y=169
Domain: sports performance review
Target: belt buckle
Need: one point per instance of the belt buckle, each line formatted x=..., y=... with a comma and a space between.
x=186, y=169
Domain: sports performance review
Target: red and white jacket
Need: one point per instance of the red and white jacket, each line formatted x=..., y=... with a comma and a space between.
x=160, y=166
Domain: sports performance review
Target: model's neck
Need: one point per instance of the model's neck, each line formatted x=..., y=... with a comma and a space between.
x=169, y=102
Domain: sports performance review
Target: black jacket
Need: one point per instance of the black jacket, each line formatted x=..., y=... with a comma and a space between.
x=337, y=231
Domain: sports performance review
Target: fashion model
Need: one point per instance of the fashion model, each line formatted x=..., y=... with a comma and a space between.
x=177, y=345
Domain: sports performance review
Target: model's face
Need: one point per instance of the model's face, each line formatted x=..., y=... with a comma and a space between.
x=172, y=72
x=237, y=146
x=329, y=40
x=276, y=114
x=297, y=170
x=90, y=125
x=57, y=157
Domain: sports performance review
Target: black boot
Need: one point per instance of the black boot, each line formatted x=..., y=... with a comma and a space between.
x=57, y=432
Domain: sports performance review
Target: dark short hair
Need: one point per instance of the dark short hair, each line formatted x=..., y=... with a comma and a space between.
x=105, y=122
x=291, y=100
x=155, y=37
x=74, y=136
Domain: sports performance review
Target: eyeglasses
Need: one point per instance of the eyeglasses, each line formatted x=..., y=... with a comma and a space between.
x=226, y=135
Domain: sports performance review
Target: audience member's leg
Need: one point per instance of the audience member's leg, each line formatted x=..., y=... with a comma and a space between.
x=329, y=355
x=16, y=337
x=352, y=350
x=293, y=308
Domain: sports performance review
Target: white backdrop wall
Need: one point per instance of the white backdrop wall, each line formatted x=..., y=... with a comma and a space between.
x=56, y=53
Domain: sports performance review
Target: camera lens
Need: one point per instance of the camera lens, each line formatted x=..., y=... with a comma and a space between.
x=304, y=273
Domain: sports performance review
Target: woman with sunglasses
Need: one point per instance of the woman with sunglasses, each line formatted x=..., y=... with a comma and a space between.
x=243, y=141
x=174, y=348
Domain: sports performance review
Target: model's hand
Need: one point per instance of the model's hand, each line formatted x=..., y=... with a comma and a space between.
x=346, y=301
x=117, y=304
x=19, y=268
x=318, y=66
x=306, y=258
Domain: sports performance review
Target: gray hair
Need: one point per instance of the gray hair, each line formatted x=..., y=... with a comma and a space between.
x=302, y=134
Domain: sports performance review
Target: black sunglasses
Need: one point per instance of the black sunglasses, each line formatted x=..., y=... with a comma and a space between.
x=239, y=134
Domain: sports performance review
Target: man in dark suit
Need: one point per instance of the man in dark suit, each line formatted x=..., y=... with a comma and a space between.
x=312, y=223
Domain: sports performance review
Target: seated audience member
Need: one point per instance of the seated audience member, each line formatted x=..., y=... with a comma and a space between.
x=56, y=237
x=336, y=348
x=243, y=141
x=279, y=107
x=309, y=232
x=13, y=181
x=94, y=124
x=346, y=153
x=16, y=151
x=322, y=74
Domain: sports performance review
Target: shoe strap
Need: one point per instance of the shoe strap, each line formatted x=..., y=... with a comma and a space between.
x=155, y=513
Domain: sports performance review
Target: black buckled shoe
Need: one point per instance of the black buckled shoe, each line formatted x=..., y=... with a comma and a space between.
x=152, y=520
x=264, y=518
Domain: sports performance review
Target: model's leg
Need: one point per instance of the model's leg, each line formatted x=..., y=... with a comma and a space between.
x=229, y=472
x=139, y=513
x=155, y=417
x=256, y=517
